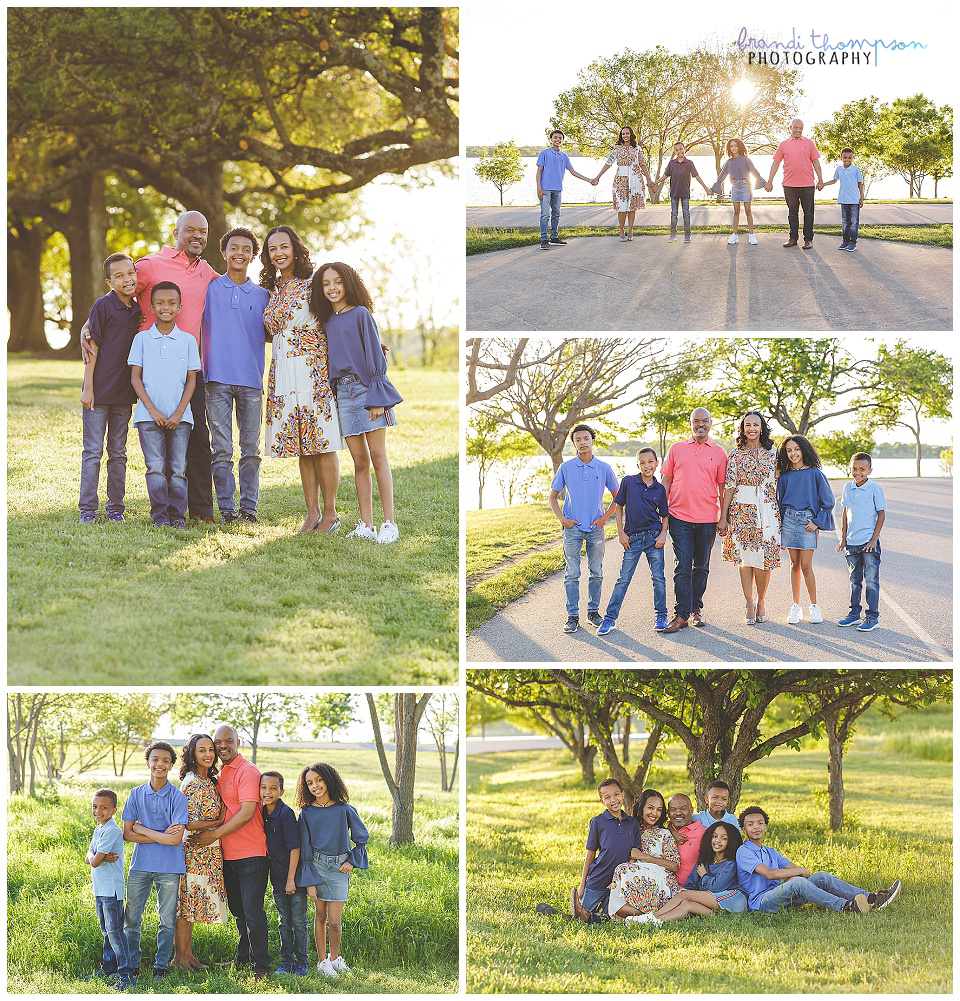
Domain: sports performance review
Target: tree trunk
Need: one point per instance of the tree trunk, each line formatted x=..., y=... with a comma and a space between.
x=85, y=227
x=650, y=748
x=625, y=754
x=209, y=180
x=834, y=769
x=456, y=759
x=24, y=289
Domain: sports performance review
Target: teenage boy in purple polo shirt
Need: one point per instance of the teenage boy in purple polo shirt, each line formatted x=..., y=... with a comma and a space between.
x=585, y=479
x=232, y=349
x=642, y=501
x=551, y=165
x=680, y=170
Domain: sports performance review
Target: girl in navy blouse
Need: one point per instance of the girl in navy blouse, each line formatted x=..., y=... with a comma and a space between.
x=328, y=824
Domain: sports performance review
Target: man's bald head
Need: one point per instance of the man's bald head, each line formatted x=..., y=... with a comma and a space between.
x=191, y=233
x=227, y=742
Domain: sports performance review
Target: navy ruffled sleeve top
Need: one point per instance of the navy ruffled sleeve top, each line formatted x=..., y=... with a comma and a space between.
x=807, y=490
x=353, y=348
x=329, y=830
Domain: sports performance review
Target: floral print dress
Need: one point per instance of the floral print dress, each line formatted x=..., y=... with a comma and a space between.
x=753, y=536
x=203, y=896
x=646, y=885
x=629, y=183
x=301, y=409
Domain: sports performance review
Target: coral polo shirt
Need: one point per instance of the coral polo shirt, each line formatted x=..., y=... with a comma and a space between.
x=798, y=156
x=191, y=277
x=239, y=782
x=696, y=471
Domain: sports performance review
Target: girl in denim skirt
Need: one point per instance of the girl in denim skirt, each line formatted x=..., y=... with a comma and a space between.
x=328, y=824
x=365, y=397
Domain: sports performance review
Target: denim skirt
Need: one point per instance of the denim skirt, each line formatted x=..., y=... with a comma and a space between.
x=354, y=417
x=334, y=884
x=740, y=192
x=793, y=533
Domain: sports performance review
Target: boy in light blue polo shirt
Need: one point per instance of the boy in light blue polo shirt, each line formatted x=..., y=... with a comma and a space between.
x=849, y=198
x=585, y=479
x=863, y=516
x=551, y=165
x=164, y=362
x=718, y=795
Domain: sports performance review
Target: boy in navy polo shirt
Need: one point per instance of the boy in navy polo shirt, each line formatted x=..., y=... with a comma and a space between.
x=863, y=516
x=680, y=170
x=644, y=502
x=283, y=850
x=107, y=396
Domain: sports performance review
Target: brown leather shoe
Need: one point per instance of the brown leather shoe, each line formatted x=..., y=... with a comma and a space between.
x=807, y=244
x=577, y=910
x=697, y=619
x=790, y=243
x=207, y=520
x=676, y=625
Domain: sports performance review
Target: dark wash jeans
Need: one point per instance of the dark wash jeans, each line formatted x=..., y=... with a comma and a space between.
x=292, y=925
x=115, y=957
x=643, y=542
x=199, y=457
x=849, y=223
x=692, y=542
x=795, y=199
x=246, y=883
x=864, y=576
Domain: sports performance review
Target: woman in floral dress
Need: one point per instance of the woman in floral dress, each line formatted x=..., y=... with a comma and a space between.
x=749, y=517
x=629, y=191
x=203, y=896
x=301, y=408
x=649, y=879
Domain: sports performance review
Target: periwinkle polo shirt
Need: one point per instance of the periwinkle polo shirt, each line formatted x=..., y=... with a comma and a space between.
x=156, y=809
x=108, y=876
x=165, y=360
x=238, y=783
x=585, y=483
x=554, y=163
x=749, y=856
x=798, y=156
x=862, y=504
x=612, y=840
x=233, y=338
x=112, y=328
x=696, y=471
x=191, y=277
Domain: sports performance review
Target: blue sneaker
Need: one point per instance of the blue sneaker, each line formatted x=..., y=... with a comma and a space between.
x=661, y=622
x=850, y=619
x=116, y=516
x=300, y=970
x=852, y=248
x=842, y=246
x=606, y=626
x=867, y=625
x=285, y=968
x=87, y=517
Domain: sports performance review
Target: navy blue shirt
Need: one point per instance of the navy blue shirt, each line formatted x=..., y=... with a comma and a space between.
x=680, y=174
x=113, y=327
x=612, y=840
x=643, y=506
x=283, y=835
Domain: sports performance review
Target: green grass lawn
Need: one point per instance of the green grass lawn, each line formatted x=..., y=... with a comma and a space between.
x=527, y=817
x=400, y=924
x=254, y=604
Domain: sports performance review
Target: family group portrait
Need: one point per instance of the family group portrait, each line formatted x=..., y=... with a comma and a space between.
x=229, y=843
x=244, y=345
x=746, y=446
x=738, y=175
x=729, y=818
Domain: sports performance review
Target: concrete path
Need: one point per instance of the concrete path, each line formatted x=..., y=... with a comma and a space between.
x=916, y=604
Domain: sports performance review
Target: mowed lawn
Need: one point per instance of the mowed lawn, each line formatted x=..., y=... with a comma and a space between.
x=400, y=924
x=527, y=823
x=131, y=604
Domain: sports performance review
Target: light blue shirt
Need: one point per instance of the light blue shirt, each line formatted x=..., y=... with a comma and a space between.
x=704, y=817
x=585, y=483
x=848, y=193
x=156, y=809
x=233, y=333
x=554, y=163
x=749, y=856
x=108, y=876
x=165, y=360
x=862, y=504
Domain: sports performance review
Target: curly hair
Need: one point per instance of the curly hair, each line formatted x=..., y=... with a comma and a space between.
x=159, y=745
x=354, y=291
x=336, y=789
x=739, y=142
x=807, y=452
x=189, y=751
x=302, y=265
x=633, y=137
x=734, y=841
x=766, y=441
x=752, y=809
x=641, y=801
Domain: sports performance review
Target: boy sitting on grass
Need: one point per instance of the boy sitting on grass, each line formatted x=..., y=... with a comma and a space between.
x=105, y=858
x=761, y=868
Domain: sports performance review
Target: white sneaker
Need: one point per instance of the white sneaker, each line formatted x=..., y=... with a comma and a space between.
x=643, y=919
x=388, y=533
x=815, y=615
x=326, y=968
x=752, y=239
x=795, y=615
x=339, y=965
x=733, y=238
x=362, y=532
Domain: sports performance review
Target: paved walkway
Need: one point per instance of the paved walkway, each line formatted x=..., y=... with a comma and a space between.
x=916, y=604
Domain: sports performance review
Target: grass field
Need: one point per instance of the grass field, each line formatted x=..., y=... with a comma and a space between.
x=253, y=604
x=527, y=818
x=400, y=925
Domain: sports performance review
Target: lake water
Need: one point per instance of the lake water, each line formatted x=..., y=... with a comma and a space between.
x=574, y=190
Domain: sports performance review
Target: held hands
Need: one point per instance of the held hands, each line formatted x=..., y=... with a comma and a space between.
x=819, y=185
x=722, y=526
x=290, y=888
x=768, y=186
x=346, y=867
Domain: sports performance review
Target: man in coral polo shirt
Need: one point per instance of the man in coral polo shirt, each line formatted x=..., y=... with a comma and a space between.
x=800, y=161
x=692, y=474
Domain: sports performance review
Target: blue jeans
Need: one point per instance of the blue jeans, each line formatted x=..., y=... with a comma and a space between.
x=676, y=203
x=246, y=881
x=138, y=889
x=165, y=455
x=574, y=539
x=550, y=212
x=849, y=223
x=116, y=956
x=249, y=403
x=110, y=421
x=692, y=542
x=596, y=900
x=821, y=889
x=864, y=572
x=292, y=911
x=640, y=542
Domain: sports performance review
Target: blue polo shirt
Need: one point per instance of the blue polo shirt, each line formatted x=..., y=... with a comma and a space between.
x=643, y=506
x=585, y=483
x=704, y=817
x=108, y=876
x=612, y=840
x=862, y=504
x=848, y=193
x=165, y=360
x=554, y=163
x=113, y=327
x=749, y=856
x=283, y=835
x=232, y=341
x=156, y=810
